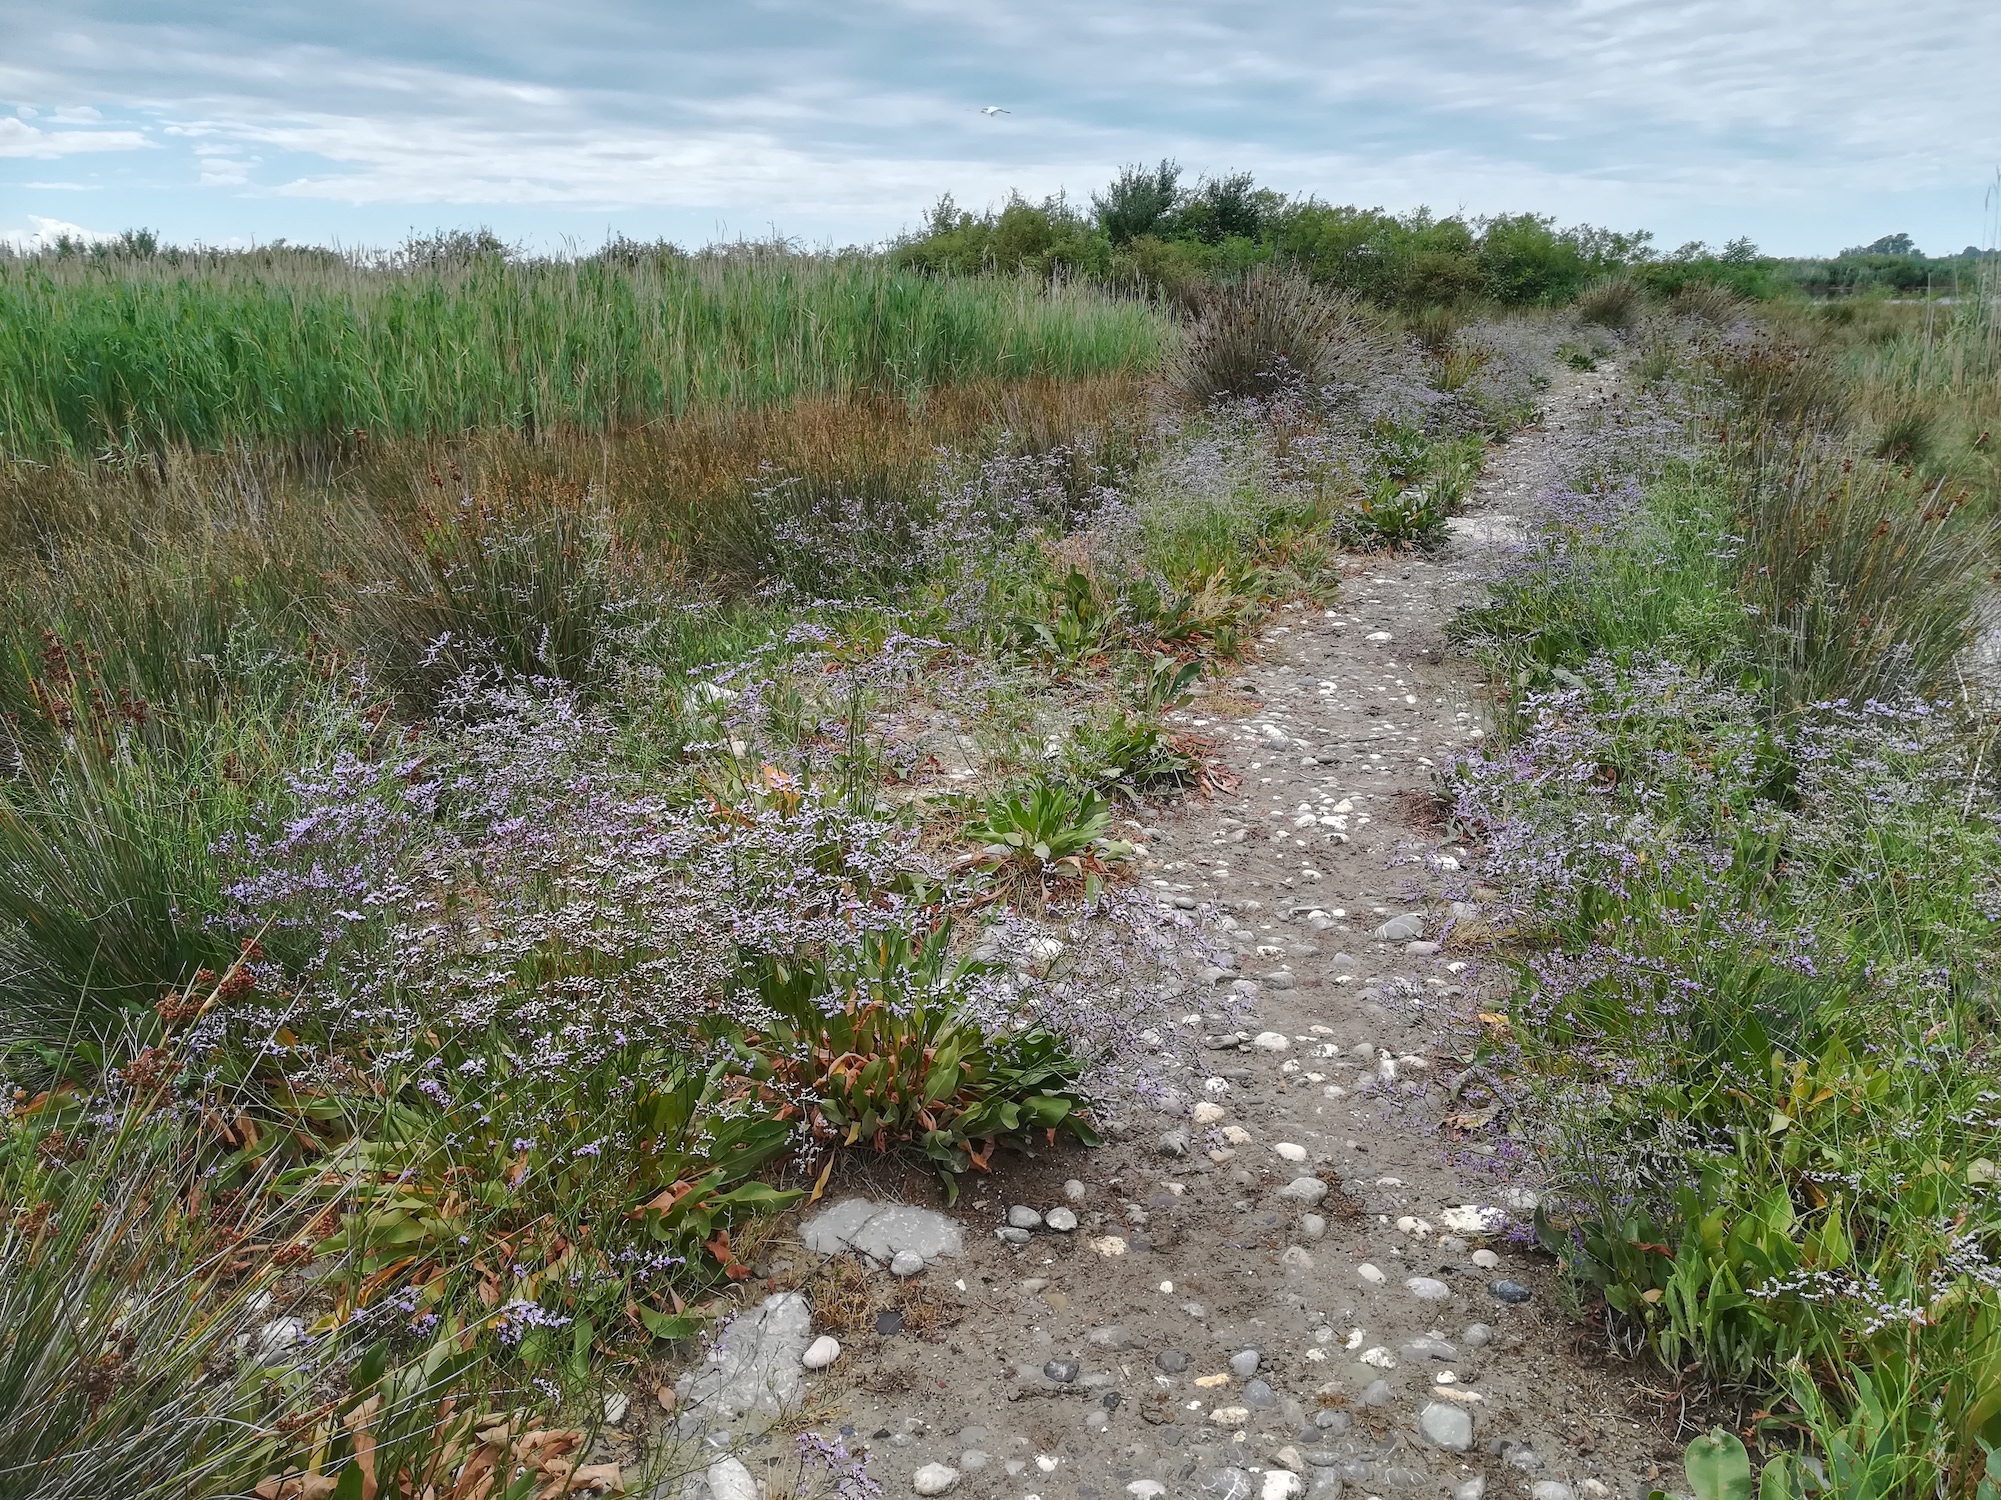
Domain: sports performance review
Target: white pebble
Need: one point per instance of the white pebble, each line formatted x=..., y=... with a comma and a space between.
x=934, y=1479
x=1290, y=1152
x=822, y=1352
x=1062, y=1220
x=1371, y=1274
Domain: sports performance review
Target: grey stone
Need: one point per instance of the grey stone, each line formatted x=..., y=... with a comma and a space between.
x=1401, y=929
x=1421, y=949
x=973, y=1460
x=1013, y=1236
x=1524, y=1458
x=1446, y=1426
x=1471, y=1489
x=1062, y=1371
x=728, y=1479
x=1225, y=1484
x=1312, y=1226
x=1062, y=1220
x=1303, y=1190
x=1511, y=1292
x=1330, y=1420
x=1244, y=1363
x=1170, y=1362
x=1074, y=1190
x=1427, y=1289
x=1376, y=1393
x=1551, y=1489
x=1111, y=1336
x=1021, y=1216
x=1259, y=1395
x=1429, y=1348
x=1173, y=1142
x=1477, y=1336
x=880, y=1230
x=754, y=1369
x=906, y=1263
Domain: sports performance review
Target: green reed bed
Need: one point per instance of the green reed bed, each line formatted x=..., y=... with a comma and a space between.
x=124, y=354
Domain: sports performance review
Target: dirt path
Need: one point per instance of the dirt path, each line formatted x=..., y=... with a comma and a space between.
x=1282, y=1287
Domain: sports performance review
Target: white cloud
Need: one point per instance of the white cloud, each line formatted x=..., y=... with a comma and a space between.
x=20, y=139
x=1628, y=110
x=46, y=232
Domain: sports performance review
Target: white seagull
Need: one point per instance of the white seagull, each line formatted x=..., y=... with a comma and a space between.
x=995, y=109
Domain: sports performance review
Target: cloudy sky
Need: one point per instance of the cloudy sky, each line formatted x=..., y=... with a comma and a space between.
x=1806, y=124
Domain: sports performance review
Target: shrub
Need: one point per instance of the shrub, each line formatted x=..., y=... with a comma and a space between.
x=873, y=1047
x=1613, y=302
x=121, y=1371
x=1865, y=581
x=1271, y=332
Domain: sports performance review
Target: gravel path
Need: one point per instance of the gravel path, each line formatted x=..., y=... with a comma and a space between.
x=1301, y=1278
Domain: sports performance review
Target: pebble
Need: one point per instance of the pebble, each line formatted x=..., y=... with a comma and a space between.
x=1401, y=929
x=1207, y=1113
x=1296, y=1257
x=973, y=1460
x=1551, y=1489
x=1486, y=1260
x=1304, y=1190
x=1371, y=1274
x=1376, y=1393
x=728, y=1479
x=1062, y=1371
x=1429, y=1348
x=1260, y=1395
x=616, y=1405
x=1477, y=1336
x=906, y=1263
x=1421, y=949
x=1062, y=1220
x=1224, y=1484
x=822, y=1352
x=934, y=1479
x=1146, y=1489
x=1427, y=1289
x=1447, y=1427
x=1173, y=1142
x=1013, y=1236
x=1244, y=1363
x=1471, y=1489
x=1312, y=1226
x=1272, y=1041
x=1074, y=1190
x=1280, y=1484
x=1021, y=1216
x=1171, y=1362
x=1511, y=1292
x=1287, y=1151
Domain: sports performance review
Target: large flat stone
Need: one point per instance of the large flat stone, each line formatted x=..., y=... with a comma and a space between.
x=753, y=1370
x=882, y=1231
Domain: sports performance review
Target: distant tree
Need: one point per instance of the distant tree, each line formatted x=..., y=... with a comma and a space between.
x=1889, y=244
x=1138, y=200
x=1739, y=252
x=1223, y=208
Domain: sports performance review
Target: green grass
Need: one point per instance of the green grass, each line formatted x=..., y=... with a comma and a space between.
x=1747, y=801
x=136, y=356
x=572, y=789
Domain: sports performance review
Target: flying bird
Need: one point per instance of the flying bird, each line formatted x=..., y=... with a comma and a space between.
x=995, y=109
